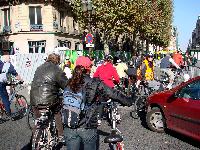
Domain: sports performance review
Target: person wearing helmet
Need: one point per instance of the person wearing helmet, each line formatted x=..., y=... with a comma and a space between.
x=165, y=67
x=147, y=68
x=107, y=72
x=47, y=81
x=90, y=89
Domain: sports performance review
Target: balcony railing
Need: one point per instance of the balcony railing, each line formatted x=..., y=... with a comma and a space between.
x=7, y=29
x=36, y=27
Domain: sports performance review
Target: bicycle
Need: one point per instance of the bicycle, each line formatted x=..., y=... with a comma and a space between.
x=16, y=100
x=114, y=140
x=178, y=78
x=45, y=135
x=141, y=94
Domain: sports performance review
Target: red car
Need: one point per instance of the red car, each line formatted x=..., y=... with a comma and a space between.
x=177, y=109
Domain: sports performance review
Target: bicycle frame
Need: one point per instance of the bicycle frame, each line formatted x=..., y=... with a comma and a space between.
x=113, y=115
x=46, y=124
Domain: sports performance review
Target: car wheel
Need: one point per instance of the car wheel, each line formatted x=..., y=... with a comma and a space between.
x=155, y=120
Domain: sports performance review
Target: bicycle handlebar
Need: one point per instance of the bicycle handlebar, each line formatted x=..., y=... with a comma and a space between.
x=15, y=83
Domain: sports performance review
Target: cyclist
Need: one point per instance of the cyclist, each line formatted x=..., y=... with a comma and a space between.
x=107, y=72
x=165, y=67
x=147, y=69
x=178, y=58
x=47, y=81
x=6, y=68
x=87, y=132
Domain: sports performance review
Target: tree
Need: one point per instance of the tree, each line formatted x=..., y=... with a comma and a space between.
x=149, y=19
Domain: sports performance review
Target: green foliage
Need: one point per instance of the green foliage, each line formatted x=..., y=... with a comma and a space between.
x=149, y=19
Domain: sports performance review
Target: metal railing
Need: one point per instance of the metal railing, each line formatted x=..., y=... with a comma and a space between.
x=36, y=27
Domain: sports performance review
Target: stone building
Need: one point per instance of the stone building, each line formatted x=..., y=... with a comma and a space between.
x=196, y=35
x=37, y=26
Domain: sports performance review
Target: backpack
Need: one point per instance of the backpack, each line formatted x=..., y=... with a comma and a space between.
x=4, y=72
x=74, y=104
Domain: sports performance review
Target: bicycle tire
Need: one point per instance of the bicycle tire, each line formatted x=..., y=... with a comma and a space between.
x=138, y=106
x=30, y=118
x=39, y=139
x=2, y=114
x=21, y=104
x=117, y=146
x=120, y=146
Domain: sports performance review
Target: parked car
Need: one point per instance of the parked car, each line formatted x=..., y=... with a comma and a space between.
x=177, y=109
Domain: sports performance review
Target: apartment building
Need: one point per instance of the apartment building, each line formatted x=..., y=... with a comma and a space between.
x=196, y=35
x=37, y=26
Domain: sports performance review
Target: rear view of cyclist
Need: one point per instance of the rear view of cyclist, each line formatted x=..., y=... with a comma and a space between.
x=165, y=67
x=6, y=68
x=47, y=81
x=107, y=72
x=90, y=89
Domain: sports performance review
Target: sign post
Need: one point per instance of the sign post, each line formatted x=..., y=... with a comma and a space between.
x=89, y=40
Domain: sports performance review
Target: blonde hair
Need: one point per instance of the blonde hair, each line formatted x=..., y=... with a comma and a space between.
x=54, y=58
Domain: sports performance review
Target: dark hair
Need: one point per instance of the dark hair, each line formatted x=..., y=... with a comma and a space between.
x=54, y=58
x=77, y=79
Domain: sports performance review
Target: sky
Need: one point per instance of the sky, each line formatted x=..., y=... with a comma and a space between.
x=186, y=13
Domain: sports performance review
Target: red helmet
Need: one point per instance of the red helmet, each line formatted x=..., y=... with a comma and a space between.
x=83, y=61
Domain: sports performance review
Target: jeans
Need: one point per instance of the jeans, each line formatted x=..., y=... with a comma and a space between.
x=5, y=98
x=75, y=137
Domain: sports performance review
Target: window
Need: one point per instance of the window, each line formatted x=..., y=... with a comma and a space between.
x=191, y=91
x=64, y=44
x=6, y=47
x=6, y=19
x=61, y=18
x=35, y=18
x=35, y=15
x=37, y=46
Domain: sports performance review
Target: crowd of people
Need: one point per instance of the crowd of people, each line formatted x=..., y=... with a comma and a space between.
x=91, y=82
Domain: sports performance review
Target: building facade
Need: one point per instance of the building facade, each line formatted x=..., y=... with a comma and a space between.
x=196, y=35
x=37, y=26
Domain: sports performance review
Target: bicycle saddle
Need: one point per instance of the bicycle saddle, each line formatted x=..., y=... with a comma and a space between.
x=113, y=138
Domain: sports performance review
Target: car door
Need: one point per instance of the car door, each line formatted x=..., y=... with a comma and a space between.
x=184, y=110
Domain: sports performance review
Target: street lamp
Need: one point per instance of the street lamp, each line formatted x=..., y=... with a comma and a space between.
x=88, y=11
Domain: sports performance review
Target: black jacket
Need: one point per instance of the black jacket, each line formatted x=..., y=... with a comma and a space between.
x=47, y=81
x=95, y=88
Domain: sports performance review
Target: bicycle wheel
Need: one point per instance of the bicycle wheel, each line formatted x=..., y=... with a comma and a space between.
x=134, y=112
x=139, y=106
x=21, y=104
x=40, y=140
x=120, y=146
x=30, y=118
x=117, y=146
x=2, y=114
